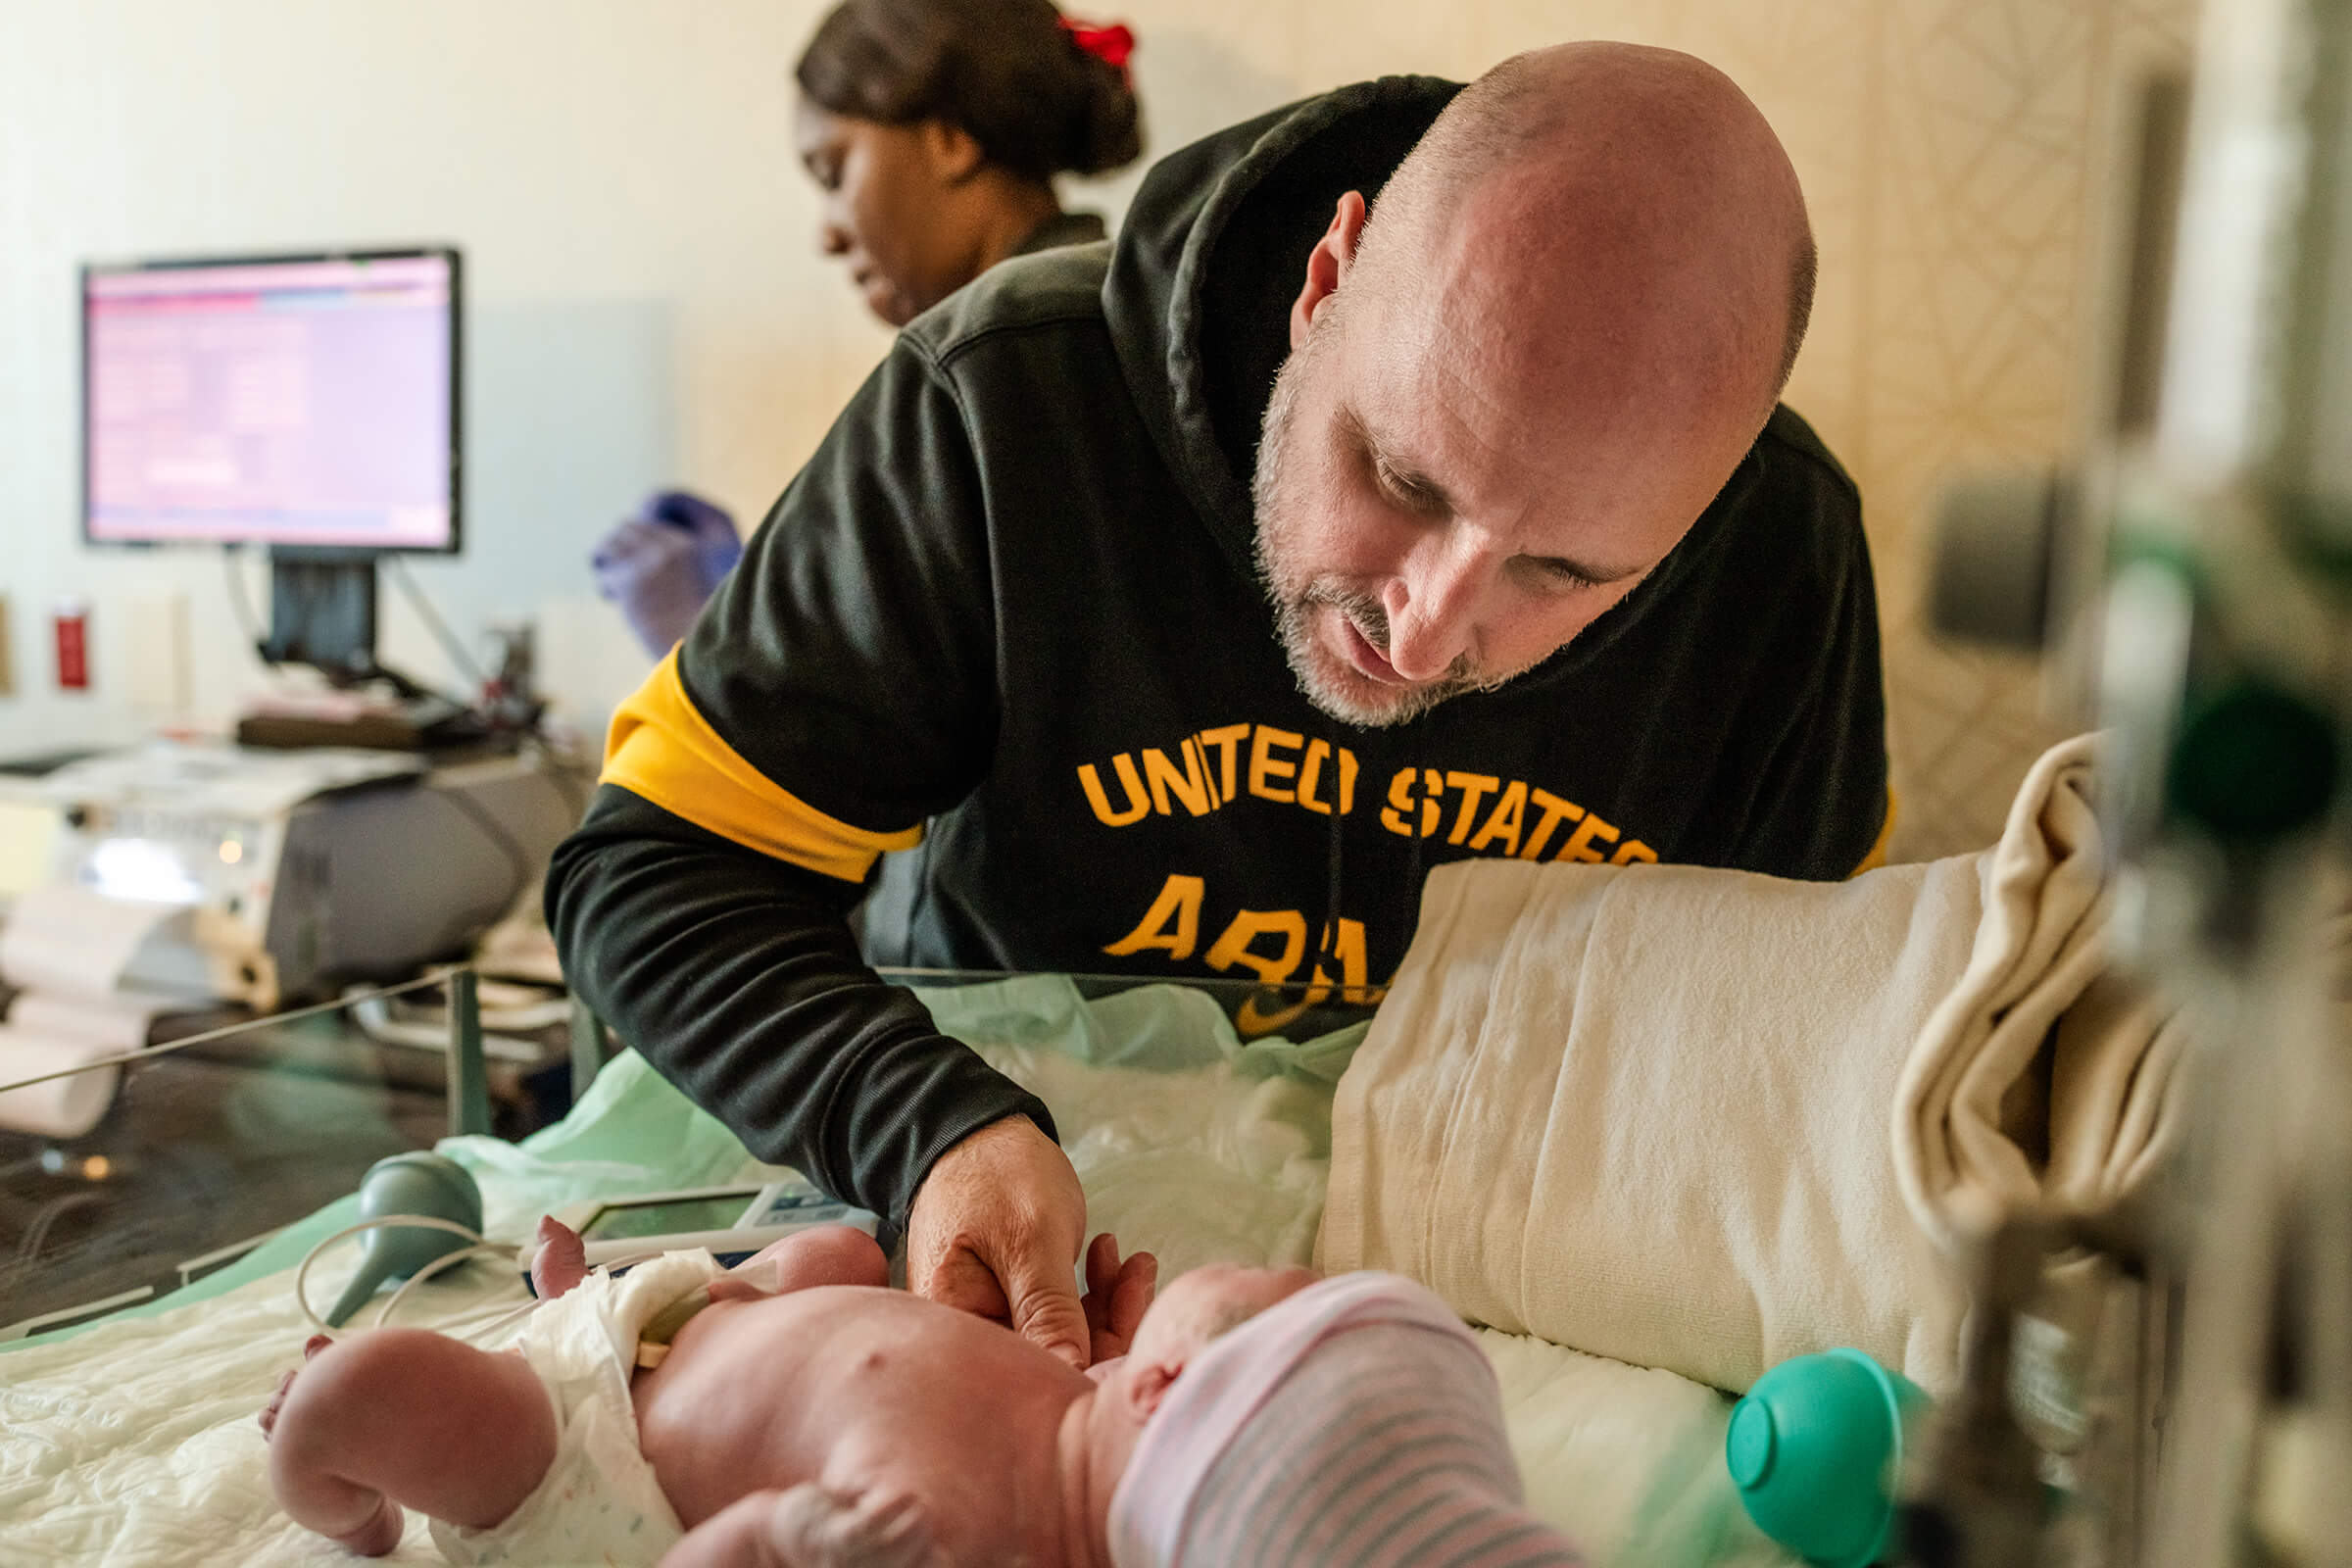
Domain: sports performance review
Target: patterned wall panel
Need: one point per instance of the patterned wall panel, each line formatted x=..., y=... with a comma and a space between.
x=1992, y=152
x=1955, y=154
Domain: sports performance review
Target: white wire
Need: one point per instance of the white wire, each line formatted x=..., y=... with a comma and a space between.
x=480, y=1247
x=522, y=1309
x=446, y=1261
x=535, y=1303
x=434, y=1222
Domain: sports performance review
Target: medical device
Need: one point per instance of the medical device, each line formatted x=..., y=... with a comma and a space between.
x=403, y=1186
x=730, y=1222
x=1814, y=1448
x=312, y=867
x=303, y=404
x=2193, y=571
x=421, y=1214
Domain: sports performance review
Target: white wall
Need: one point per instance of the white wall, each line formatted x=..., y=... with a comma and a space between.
x=648, y=306
x=645, y=304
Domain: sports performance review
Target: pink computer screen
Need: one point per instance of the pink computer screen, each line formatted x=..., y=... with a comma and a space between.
x=284, y=402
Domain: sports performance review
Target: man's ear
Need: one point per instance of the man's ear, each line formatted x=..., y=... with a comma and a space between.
x=1327, y=264
x=956, y=155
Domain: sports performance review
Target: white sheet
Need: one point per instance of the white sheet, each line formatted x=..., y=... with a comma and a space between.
x=134, y=1444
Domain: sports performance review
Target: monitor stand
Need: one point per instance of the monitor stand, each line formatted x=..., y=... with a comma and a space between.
x=323, y=613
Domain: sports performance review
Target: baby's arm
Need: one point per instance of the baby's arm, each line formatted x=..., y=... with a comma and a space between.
x=812, y=1526
x=825, y=1254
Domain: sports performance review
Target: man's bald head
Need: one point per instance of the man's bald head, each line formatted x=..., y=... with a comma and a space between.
x=1613, y=164
x=1556, y=335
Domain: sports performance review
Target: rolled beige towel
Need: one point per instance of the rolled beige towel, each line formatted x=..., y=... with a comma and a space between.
x=1644, y=1111
x=2037, y=1006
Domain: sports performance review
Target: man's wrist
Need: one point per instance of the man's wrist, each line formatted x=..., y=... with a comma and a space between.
x=1020, y=1105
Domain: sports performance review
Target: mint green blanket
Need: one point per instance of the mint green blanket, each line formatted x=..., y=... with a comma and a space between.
x=633, y=1132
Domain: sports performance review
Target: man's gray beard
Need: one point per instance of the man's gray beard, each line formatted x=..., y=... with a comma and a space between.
x=1294, y=613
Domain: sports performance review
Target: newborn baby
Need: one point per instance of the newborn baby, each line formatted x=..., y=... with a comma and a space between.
x=798, y=1412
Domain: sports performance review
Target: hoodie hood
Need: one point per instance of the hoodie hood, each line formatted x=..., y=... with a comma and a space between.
x=1212, y=253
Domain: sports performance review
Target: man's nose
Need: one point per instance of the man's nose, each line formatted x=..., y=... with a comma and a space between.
x=832, y=239
x=1432, y=611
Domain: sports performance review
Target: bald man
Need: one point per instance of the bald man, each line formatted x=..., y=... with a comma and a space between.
x=1174, y=605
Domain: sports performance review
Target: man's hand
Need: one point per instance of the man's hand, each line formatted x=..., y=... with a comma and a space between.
x=1117, y=1295
x=995, y=1230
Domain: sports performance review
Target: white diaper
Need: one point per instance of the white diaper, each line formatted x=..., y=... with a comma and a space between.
x=599, y=1502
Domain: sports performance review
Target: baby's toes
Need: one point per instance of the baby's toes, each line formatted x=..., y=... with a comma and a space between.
x=268, y=1416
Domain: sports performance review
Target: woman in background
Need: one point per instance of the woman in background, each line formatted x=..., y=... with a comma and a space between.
x=934, y=129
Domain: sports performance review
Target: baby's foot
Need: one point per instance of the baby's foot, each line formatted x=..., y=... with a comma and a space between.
x=268, y=1417
x=380, y=1536
x=561, y=1261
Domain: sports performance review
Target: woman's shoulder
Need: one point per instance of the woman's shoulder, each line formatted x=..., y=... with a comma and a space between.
x=1041, y=291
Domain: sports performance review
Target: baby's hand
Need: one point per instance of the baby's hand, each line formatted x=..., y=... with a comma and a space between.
x=813, y=1526
x=819, y=1528
x=1117, y=1295
x=269, y=1416
x=560, y=1261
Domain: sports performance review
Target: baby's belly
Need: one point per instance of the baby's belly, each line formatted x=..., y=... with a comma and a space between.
x=859, y=1386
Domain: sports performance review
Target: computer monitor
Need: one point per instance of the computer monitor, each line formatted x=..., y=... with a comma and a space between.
x=304, y=402
x=308, y=404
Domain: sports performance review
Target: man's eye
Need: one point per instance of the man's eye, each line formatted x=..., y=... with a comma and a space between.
x=1557, y=576
x=1406, y=494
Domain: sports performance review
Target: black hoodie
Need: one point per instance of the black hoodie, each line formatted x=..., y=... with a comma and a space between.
x=1009, y=612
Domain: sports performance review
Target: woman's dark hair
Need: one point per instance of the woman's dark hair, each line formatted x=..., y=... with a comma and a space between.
x=1005, y=72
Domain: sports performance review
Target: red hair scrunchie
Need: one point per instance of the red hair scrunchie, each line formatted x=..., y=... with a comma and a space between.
x=1112, y=43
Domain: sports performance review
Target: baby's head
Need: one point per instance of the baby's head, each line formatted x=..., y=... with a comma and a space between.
x=1268, y=1405
x=1200, y=1306
x=1188, y=1316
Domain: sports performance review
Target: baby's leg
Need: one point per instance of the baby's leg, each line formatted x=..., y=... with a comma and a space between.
x=825, y=1254
x=397, y=1418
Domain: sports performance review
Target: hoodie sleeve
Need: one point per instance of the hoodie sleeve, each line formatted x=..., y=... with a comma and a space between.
x=839, y=690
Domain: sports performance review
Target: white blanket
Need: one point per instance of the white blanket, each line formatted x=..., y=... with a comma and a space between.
x=1705, y=1121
